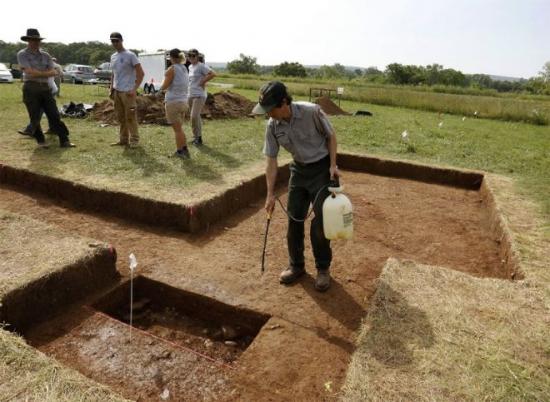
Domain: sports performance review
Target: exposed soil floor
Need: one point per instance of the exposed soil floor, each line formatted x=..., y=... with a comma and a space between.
x=303, y=351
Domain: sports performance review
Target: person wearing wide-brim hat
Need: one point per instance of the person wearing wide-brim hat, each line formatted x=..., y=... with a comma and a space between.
x=303, y=130
x=38, y=67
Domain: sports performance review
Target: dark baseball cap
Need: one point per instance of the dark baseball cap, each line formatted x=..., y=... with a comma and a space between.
x=176, y=53
x=271, y=95
x=116, y=35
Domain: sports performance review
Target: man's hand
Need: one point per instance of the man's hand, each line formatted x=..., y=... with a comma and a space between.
x=269, y=203
x=334, y=172
x=132, y=93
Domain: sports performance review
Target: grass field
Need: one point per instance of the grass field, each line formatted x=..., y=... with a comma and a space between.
x=517, y=150
x=532, y=109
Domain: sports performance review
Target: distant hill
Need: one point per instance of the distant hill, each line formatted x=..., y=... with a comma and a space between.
x=503, y=78
x=223, y=65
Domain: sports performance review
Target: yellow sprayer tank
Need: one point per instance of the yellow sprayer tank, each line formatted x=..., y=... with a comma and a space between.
x=337, y=215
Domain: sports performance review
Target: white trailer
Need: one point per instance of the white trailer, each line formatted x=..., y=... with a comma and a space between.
x=154, y=65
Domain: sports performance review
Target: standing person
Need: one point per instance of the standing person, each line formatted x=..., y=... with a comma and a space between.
x=199, y=75
x=176, y=85
x=37, y=67
x=303, y=130
x=125, y=81
x=57, y=77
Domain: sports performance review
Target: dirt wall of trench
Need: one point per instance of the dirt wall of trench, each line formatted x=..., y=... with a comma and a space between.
x=39, y=300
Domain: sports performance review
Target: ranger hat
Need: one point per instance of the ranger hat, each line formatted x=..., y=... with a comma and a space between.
x=32, y=33
x=271, y=95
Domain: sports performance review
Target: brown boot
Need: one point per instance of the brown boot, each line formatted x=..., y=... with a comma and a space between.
x=322, y=282
x=290, y=275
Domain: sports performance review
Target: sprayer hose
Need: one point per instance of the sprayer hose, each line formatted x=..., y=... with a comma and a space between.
x=310, y=211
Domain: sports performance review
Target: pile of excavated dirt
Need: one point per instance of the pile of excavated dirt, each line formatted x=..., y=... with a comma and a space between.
x=329, y=107
x=150, y=108
x=227, y=104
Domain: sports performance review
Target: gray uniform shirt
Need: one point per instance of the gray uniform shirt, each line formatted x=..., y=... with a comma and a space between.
x=124, y=70
x=177, y=91
x=38, y=60
x=196, y=73
x=305, y=136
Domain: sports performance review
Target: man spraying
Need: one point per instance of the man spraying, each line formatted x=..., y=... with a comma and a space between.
x=303, y=130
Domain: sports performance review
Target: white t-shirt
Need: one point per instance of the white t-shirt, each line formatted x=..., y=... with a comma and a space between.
x=124, y=70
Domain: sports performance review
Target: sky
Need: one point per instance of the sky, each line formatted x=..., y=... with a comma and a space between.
x=506, y=37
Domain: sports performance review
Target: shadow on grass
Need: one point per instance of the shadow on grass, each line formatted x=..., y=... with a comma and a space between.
x=139, y=157
x=396, y=328
x=225, y=159
x=46, y=160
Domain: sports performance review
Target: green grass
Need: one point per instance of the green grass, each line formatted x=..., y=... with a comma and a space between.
x=514, y=149
x=534, y=110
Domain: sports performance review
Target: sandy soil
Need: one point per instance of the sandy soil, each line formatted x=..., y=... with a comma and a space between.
x=303, y=351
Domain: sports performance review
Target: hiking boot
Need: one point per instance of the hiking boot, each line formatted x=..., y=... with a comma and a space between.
x=119, y=144
x=322, y=282
x=290, y=275
x=183, y=154
x=197, y=141
x=24, y=131
x=67, y=144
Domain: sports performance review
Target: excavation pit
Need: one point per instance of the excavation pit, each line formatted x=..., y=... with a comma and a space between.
x=203, y=324
x=182, y=342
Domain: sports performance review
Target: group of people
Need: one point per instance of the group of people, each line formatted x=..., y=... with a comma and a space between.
x=184, y=84
x=184, y=87
x=301, y=128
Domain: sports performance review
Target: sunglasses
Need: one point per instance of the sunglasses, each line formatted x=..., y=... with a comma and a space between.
x=115, y=40
x=192, y=55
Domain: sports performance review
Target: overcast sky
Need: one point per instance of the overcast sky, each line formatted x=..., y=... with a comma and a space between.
x=506, y=37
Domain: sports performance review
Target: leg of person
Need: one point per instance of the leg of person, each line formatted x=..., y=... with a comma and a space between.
x=175, y=114
x=56, y=124
x=31, y=98
x=319, y=243
x=131, y=119
x=120, y=111
x=298, y=205
x=196, y=122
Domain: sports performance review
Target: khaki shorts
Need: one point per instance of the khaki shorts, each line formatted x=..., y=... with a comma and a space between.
x=175, y=112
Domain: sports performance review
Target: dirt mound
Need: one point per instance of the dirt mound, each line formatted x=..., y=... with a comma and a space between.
x=227, y=104
x=329, y=107
x=150, y=108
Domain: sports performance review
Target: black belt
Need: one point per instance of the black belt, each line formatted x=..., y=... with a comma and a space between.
x=36, y=83
x=318, y=162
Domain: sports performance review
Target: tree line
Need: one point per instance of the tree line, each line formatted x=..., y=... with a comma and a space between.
x=397, y=74
x=433, y=75
x=89, y=53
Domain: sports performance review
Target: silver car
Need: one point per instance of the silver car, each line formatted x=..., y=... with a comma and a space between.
x=78, y=74
x=5, y=74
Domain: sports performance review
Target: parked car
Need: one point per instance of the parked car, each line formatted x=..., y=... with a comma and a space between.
x=5, y=74
x=103, y=72
x=78, y=74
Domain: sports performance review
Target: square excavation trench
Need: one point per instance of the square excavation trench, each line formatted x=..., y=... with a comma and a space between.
x=179, y=338
x=179, y=341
